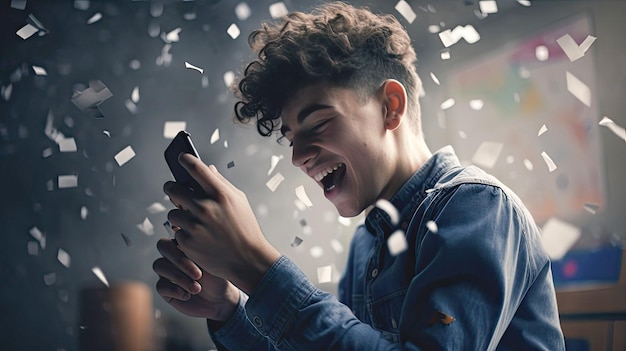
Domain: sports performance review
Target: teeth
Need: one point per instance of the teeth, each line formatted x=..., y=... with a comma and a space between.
x=321, y=175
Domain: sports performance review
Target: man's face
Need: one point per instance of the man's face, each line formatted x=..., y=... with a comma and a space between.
x=342, y=143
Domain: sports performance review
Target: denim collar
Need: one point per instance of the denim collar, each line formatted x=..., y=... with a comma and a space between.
x=412, y=193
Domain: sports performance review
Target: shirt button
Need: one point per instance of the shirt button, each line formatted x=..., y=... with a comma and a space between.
x=257, y=322
x=374, y=272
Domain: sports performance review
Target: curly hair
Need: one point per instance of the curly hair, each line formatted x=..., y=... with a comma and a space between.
x=337, y=43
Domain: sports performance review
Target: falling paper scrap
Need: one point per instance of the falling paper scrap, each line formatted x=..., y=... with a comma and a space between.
x=98, y=272
x=302, y=196
x=273, y=162
x=336, y=246
x=558, y=237
x=40, y=71
x=189, y=65
x=573, y=50
x=95, y=18
x=488, y=6
x=68, y=181
x=278, y=9
x=124, y=156
x=64, y=258
x=156, y=207
x=27, y=31
x=146, y=227
x=316, y=252
x=296, y=242
x=170, y=129
x=432, y=226
x=231, y=164
x=549, y=162
x=134, y=95
x=450, y=37
x=49, y=279
x=127, y=240
x=242, y=11
x=275, y=181
x=542, y=130
x=233, y=31
x=18, y=4
x=579, y=89
x=90, y=98
x=390, y=209
x=614, y=127
x=324, y=274
x=447, y=104
x=406, y=11
x=397, y=242
x=434, y=78
x=67, y=145
x=487, y=154
x=591, y=208
x=215, y=136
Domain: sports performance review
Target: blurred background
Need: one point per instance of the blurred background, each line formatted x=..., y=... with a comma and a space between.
x=91, y=92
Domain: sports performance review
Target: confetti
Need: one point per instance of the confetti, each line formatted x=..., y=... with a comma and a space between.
x=558, y=237
x=91, y=97
x=390, y=209
x=524, y=2
x=579, y=89
x=487, y=154
x=549, y=162
x=6, y=92
x=445, y=55
x=344, y=221
x=296, y=241
x=131, y=106
x=215, y=136
x=50, y=279
x=476, y=104
x=67, y=145
x=231, y=164
x=40, y=71
x=406, y=11
x=36, y=233
x=488, y=6
x=95, y=18
x=324, y=274
x=614, y=127
x=542, y=130
x=82, y=5
x=107, y=133
x=450, y=37
x=573, y=50
x=229, y=78
x=127, y=240
x=205, y=81
x=98, y=272
x=134, y=95
x=124, y=156
x=528, y=164
x=273, y=162
x=434, y=78
x=146, y=227
x=27, y=31
x=397, y=242
x=591, y=208
x=336, y=246
x=84, y=212
x=542, y=53
x=275, y=181
x=67, y=181
x=189, y=65
x=302, y=196
x=170, y=129
x=33, y=248
x=155, y=208
x=316, y=252
x=172, y=36
x=242, y=11
x=510, y=159
x=64, y=258
x=18, y=4
x=233, y=31
x=447, y=104
x=432, y=226
x=278, y=9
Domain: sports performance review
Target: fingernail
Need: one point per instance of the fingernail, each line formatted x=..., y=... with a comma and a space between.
x=195, y=288
x=186, y=296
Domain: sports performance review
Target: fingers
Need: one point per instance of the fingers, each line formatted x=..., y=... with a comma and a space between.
x=180, y=195
x=166, y=269
x=207, y=176
x=178, y=261
x=170, y=291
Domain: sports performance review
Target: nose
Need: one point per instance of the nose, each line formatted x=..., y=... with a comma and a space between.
x=302, y=153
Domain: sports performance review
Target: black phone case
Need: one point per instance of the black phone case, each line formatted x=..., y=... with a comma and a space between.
x=181, y=143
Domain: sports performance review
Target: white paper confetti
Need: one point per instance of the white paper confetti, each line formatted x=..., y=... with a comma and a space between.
x=155, y=208
x=233, y=31
x=524, y=2
x=229, y=77
x=487, y=154
x=27, y=31
x=18, y=4
x=278, y=9
x=296, y=242
x=275, y=181
x=36, y=233
x=273, y=162
x=324, y=274
x=573, y=50
x=591, y=208
x=215, y=136
x=40, y=71
x=336, y=246
x=134, y=95
x=91, y=97
x=509, y=159
x=64, y=258
x=390, y=209
x=476, y=104
x=462, y=134
x=614, y=127
x=49, y=279
x=447, y=104
x=344, y=221
x=6, y=91
x=171, y=128
x=95, y=18
x=146, y=227
x=579, y=89
x=445, y=55
x=67, y=145
x=124, y=156
x=33, y=248
x=558, y=237
x=432, y=226
x=528, y=164
x=406, y=11
x=67, y=181
x=316, y=252
x=434, y=78
x=131, y=106
x=542, y=53
x=450, y=37
x=83, y=212
x=302, y=196
x=242, y=11
x=397, y=242
x=98, y=272
x=172, y=36
x=549, y=162
x=82, y=5
x=542, y=130
x=189, y=65
x=488, y=6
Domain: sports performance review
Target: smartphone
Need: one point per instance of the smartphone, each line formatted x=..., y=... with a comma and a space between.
x=182, y=143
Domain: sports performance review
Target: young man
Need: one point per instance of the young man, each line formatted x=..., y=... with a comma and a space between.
x=341, y=86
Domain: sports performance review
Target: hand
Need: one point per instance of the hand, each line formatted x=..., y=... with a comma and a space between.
x=219, y=230
x=191, y=290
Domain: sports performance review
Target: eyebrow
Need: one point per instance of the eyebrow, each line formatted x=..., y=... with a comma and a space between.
x=304, y=113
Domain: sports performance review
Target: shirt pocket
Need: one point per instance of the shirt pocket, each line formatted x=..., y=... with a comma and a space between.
x=386, y=312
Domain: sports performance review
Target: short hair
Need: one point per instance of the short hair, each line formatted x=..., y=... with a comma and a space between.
x=336, y=43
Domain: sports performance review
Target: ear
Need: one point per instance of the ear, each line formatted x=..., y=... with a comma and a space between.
x=394, y=103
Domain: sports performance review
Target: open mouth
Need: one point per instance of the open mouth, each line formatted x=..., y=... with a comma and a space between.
x=329, y=177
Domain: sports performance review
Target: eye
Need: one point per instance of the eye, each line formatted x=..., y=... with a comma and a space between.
x=318, y=127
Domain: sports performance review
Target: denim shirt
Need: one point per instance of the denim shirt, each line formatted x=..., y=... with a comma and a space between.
x=478, y=280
